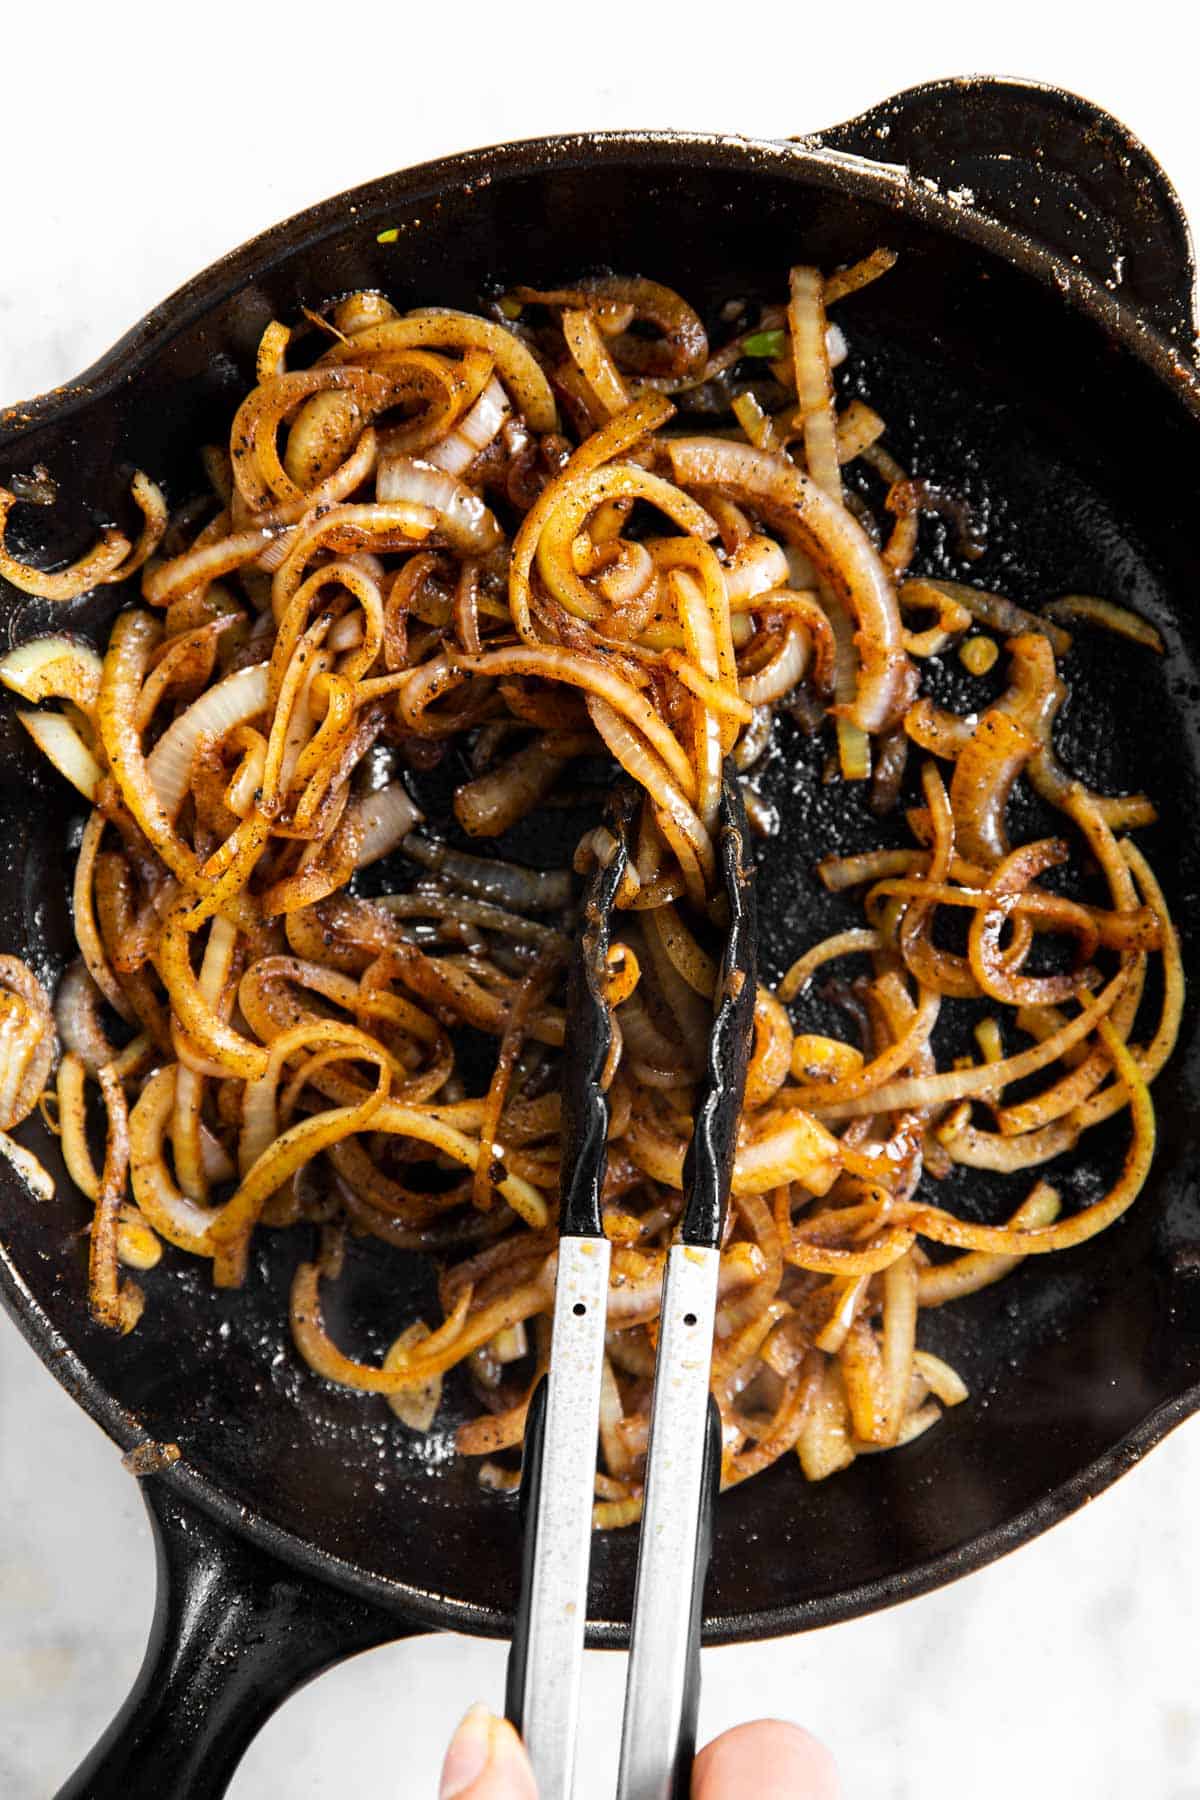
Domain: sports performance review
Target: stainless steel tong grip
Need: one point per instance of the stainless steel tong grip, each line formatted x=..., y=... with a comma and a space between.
x=661, y=1689
x=684, y=1451
x=559, y=1517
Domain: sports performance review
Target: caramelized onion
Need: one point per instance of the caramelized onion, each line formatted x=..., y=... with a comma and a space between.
x=234, y=701
x=839, y=547
x=53, y=668
x=355, y=623
x=467, y=523
x=96, y=565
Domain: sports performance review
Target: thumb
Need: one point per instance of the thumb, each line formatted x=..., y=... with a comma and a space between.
x=486, y=1761
x=770, y=1760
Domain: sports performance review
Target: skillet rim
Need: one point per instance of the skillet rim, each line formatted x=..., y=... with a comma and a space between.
x=811, y=164
x=915, y=197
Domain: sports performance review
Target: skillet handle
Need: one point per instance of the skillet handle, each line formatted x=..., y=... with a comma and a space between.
x=235, y=1632
x=1055, y=167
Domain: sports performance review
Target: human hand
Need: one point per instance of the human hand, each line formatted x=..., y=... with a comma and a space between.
x=769, y=1760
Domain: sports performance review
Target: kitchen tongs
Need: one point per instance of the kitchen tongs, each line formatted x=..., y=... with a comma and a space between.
x=684, y=1453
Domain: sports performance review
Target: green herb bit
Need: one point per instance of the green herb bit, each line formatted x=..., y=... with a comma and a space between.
x=767, y=344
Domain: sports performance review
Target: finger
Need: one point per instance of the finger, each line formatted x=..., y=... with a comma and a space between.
x=486, y=1761
x=769, y=1760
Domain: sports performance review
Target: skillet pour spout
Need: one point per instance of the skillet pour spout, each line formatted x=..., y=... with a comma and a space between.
x=1036, y=336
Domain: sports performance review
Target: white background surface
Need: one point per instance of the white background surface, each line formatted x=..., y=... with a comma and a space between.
x=142, y=142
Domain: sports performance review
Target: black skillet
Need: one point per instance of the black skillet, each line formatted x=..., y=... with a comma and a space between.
x=1036, y=347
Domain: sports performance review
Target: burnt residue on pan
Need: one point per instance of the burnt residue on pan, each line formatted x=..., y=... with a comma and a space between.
x=1074, y=435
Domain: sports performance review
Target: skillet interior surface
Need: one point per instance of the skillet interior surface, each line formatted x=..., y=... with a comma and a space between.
x=1084, y=468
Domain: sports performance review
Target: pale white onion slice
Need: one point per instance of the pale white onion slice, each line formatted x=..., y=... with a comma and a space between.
x=802, y=574
x=347, y=634
x=57, y=738
x=235, y=700
x=218, y=1164
x=277, y=548
x=416, y=1406
x=467, y=523
x=796, y=1149
x=756, y=567
x=507, y=792
x=260, y=1120
x=77, y=1017
x=780, y=675
x=628, y=577
x=943, y=1382
x=511, y=1345
x=389, y=815
x=473, y=433
x=36, y=1177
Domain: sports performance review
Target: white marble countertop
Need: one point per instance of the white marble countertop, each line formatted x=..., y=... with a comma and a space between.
x=139, y=144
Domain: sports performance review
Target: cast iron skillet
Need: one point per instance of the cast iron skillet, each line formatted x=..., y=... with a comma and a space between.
x=1034, y=346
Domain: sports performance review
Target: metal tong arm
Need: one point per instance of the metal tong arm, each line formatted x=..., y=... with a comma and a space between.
x=558, y=1470
x=662, y=1693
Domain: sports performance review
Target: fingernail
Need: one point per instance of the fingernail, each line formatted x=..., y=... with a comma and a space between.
x=467, y=1757
x=507, y=1756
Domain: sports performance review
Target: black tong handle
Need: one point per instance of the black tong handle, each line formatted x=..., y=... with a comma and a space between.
x=708, y=1165
x=588, y=1043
